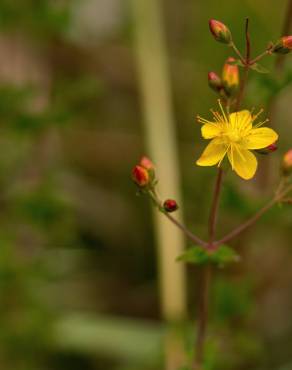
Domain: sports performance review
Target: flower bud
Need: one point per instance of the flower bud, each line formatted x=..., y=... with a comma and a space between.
x=220, y=32
x=287, y=163
x=170, y=205
x=214, y=81
x=269, y=149
x=146, y=163
x=283, y=46
x=230, y=77
x=140, y=176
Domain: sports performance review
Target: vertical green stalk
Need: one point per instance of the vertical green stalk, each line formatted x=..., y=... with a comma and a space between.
x=159, y=129
x=203, y=315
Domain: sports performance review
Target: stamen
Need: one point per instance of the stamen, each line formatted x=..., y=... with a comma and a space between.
x=216, y=116
x=256, y=115
x=261, y=123
x=204, y=121
x=222, y=110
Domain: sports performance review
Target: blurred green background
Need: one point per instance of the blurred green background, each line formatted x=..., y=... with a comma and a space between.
x=78, y=261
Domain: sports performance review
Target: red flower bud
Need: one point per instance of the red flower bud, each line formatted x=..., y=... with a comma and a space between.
x=287, y=42
x=140, y=176
x=230, y=76
x=146, y=163
x=269, y=149
x=214, y=81
x=220, y=32
x=283, y=46
x=272, y=147
x=170, y=205
x=287, y=163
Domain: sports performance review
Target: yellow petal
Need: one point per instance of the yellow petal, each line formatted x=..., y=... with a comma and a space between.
x=210, y=130
x=243, y=161
x=213, y=153
x=259, y=138
x=241, y=120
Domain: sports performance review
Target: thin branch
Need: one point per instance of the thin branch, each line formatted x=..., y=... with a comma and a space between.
x=246, y=68
x=247, y=41
x=215, y=204
x=277, y=198
x=191, y=236
x=260, y=56
x=203, y=316
x=237, y=52
x=206, y=277
x=246, y=224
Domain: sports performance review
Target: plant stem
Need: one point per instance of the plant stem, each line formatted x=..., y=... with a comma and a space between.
x=214, y=207
x=237, y=52
x=256, y=59
x=246, y=68
x=277, y=198
x=206, y=277
x=191, y=236
x=203, y=316
x=246, y=224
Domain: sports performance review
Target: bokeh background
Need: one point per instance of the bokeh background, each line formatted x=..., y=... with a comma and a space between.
x=79, y=271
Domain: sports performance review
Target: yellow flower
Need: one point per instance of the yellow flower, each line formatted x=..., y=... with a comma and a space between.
x=234, y=134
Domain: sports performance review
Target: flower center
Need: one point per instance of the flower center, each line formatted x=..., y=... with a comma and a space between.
x=233, y=136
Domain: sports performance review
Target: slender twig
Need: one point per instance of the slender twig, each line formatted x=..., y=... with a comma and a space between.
x=246, y=68
x=277, y=198
x=191, y=236
x=203, y=316
x=237, y=52
x=206, y=277
x=215, y=204
x=260, y=56
x=246, y=224
x=247, y=41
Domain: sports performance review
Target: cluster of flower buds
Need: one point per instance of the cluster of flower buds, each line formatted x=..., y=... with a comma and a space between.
x=226, y=85
x=283, y=46
x=220, y=32
x=143, y=174
x=287, y=163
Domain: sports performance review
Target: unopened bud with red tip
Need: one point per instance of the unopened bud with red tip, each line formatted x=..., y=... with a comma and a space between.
x=268, y=150
x=287, y=163
x=170, y=205
x=140, y=176
x=220, y=32
x=230, y=76
x=214, y=81
x=283, y=46
x=146, y=163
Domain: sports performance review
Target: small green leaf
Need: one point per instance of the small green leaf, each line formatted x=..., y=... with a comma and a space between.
x=198, y=255
x=259, y=68
x=224, y=255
